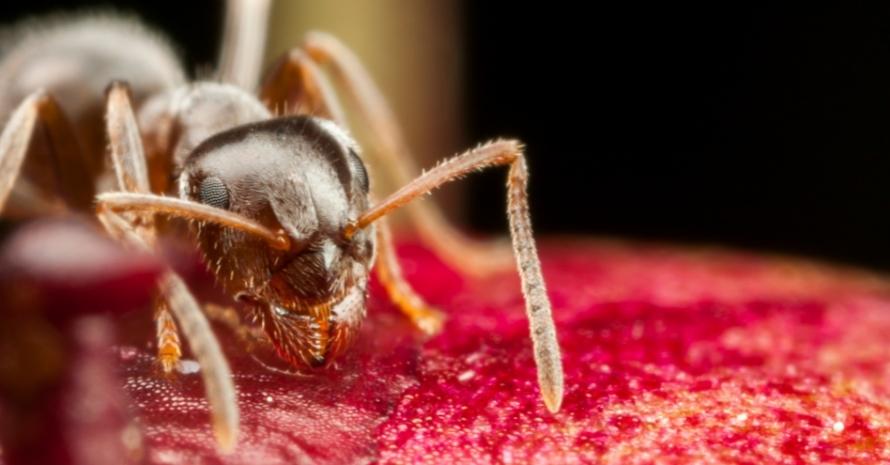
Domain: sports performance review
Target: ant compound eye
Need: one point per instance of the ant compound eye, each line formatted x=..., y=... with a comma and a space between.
x=214, y=193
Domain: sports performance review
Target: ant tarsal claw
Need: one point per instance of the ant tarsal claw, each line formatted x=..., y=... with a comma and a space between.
x=428, y=319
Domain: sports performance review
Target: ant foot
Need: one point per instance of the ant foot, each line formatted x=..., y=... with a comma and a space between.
x=428, y=319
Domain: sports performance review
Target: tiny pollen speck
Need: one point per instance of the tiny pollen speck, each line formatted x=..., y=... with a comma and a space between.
x=187, y=367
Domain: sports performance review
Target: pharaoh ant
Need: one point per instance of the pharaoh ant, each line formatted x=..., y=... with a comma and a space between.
x=280, y=205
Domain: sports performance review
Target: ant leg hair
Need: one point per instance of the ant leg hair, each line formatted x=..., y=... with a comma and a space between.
x=427, y=319
x=129, y=165
x=38, y=117
x=125, y=140
x=244, y=39
x=394, y=156
x=537, y=304
x=14, y=142
x=295, y=85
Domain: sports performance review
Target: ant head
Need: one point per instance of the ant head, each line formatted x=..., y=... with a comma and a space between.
x=303, y=176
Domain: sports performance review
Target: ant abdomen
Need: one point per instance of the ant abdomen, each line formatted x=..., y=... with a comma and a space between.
x=74, y=59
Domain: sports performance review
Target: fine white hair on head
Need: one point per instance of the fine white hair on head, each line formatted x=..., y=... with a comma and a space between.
x=339, y=133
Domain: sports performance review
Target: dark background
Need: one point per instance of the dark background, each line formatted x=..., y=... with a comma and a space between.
x=764, y=128
x=759, y=127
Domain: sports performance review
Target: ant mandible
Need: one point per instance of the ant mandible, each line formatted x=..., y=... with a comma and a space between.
x=281, y=206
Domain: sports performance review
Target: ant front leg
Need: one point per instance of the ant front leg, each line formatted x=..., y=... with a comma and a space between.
x=215, y=370
x=131, y=171
x=173, y=295
x=537, y=304
x=427, y=319
x=394, y=156
x=249, y=336
x=167, y=334
x=38, y=133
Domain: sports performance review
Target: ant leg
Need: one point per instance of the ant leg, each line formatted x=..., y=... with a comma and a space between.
x=126, y=149
x=167, y=334
x=215, y=370
x=388, y=143
x=125, y=141
x=537, y=304
x=27, y=201
x=295, y=85
x=252, y=338
x=427, y=319
x=244, y=39
x=131, y=171
x=14, y=142
x=249, y=336
x=38, y=133
x=217, y=375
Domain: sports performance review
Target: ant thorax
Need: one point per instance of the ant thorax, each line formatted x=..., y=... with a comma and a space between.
x=301, y=176
x=74, y=59
x=178, y=120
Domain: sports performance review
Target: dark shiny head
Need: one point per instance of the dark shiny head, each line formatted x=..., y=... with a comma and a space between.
x=301, y=175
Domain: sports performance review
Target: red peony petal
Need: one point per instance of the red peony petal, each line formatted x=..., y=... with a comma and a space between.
x=68, y=267
x=670, y=355
x=61, y=401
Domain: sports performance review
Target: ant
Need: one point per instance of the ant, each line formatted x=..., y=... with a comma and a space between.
x=280, y=206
